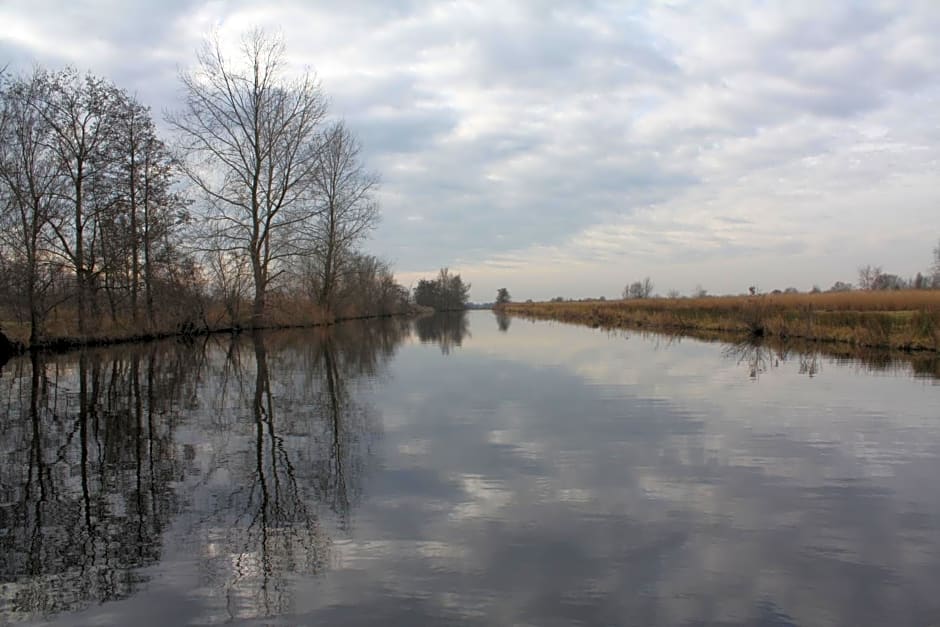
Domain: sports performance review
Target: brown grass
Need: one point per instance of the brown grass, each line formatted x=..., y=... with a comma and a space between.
x=907, y=319
x=60, y=330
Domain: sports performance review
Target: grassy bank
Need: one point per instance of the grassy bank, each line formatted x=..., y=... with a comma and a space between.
x=60, y=333
x=907, y=320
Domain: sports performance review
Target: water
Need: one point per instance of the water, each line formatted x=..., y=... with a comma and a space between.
x=467, y=470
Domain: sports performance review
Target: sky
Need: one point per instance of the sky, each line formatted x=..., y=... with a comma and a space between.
x=570, y=148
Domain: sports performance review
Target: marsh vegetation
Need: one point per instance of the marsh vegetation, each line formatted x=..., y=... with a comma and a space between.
x=904, y=319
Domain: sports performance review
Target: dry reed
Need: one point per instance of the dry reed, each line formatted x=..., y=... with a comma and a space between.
x=908, y=319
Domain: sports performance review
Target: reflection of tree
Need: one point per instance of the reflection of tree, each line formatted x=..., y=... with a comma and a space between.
x=758, y=357
x=309, y=443
x=503, y=319
x=88, y=463
x=263, y=529
x=755, y=355
x=809, y=364
x=342, y=358
x=94, y=465
x=446, y=329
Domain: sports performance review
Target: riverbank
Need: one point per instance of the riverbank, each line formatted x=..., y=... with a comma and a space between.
x=905, y=320
x=12, y=346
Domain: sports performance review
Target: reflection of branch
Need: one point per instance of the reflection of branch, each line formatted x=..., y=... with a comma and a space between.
x=340, y=501
x=754, y=354
x=64, y=546
x=276, y=512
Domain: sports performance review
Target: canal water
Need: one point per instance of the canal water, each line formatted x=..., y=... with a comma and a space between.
x=469, y=470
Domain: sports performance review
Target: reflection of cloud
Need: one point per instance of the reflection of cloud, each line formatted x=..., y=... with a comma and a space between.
x=682, y=479
x=486, y=497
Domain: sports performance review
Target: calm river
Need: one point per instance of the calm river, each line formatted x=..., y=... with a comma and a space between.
x=467, y=470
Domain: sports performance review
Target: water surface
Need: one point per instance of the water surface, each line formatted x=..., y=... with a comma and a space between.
x=467, y=470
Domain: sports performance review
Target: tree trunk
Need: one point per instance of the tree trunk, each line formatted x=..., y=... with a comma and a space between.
x=35, y=318
x=148, y=262
x=135, y=253
x=257, y=313
x=79, y=254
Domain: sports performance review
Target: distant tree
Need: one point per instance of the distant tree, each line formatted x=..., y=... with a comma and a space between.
x=639, y=289
x=868, y=277
x=884, y=281
x=699, y=292
x=791, y=290
x=935, y=278
x=840, y=286
x=752, y=290
x=816, y=289
x=502, y=297
x=447, y=292
x=673, y=294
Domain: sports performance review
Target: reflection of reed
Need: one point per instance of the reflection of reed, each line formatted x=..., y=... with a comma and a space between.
x=811, y=354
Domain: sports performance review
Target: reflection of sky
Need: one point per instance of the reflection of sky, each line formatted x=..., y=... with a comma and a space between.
x=555, y=475
x=562, y=475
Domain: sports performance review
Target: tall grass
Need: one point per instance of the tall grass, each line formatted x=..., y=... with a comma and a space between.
x=907, y=319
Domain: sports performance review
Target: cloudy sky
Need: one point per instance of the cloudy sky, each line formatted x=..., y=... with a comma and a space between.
x=568, y=148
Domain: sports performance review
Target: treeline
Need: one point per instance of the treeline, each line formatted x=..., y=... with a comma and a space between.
x=252, y=217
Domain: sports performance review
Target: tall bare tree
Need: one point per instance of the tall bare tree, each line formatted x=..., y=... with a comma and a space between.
x=144, y=177
x=31, y=184
x=79, y=113
x=348, y=209
x=250, y=133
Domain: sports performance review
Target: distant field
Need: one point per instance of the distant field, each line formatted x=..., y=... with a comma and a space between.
x=907, y=319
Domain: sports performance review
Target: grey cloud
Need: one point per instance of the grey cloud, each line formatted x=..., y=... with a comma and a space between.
x=502, y=128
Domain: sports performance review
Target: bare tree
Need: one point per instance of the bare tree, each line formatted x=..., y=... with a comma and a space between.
x=348, y=210
x=935, y=278
x=639, y=289
x=868, y=277
x=145, y=175
x=251, y=136
x=30, y=186
x=79, y=113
